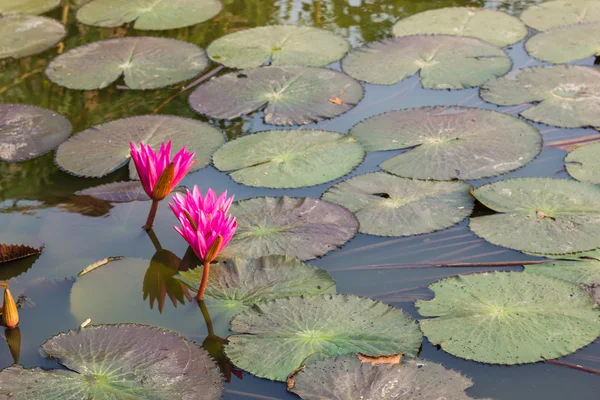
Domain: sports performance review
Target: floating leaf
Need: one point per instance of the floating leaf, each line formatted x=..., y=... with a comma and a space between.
x=566, y=94
x=446, y=143
x=117, y=192
x=586, y=272
x=27, y=6
x=276, y=338
x=278, y=45
x=103, y=149
x=144, y=62
x=11, y=252
x=540, y=215
x=509, y=317
x=302, y=228
x=27, y=131
x=292, y=95
x=26, y=35
x=289, y=159
x=565, y=44
x=117, y=362
x=583, y=163
x=387, y=205
x=148, y=14
x=445, y=62
x=553, y=14
x=495, y=27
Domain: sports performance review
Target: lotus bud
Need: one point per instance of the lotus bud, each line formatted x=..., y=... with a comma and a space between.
x=214, y=249
x=164, y=183
x=10, y=314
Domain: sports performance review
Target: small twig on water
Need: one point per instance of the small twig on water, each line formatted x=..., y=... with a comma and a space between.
x=572, y=141
x=574, y=366
x=419, y=265
x=98, y=264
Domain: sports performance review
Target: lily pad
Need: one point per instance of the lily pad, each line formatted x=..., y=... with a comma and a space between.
x=566, y=44
x=27, y=131
x=118, y=362
x=144, y=63
x=540, y=215
x=553, y=14
x=27, y=6
x=148, y=14
x=289, y=159
x=278, y=337
x=495, y=27
x=302, y=228
x=444, y=62
x=509, y=317
x=291, y=95
x=117, y=192
x=586, y=272
x=446, y=143
x=567, y=94
x=387, y=205
x=278, y=45
x=103, y=149
x=411, y=380
x=26, y=35
x=583, y=163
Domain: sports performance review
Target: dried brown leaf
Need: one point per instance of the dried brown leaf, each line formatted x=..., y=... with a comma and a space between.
x=378, y=360
x=10, y=252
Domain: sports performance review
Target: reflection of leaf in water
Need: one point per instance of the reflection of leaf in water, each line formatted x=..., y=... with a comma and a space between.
x=159, y=281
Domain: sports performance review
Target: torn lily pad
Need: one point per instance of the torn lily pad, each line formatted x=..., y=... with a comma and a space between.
x=553, y=14
x=584, y=271
x=26, y=35
x=387, y=205
x=278, y=337
x=444, y=62
x=289, y=158
x=566, y=44
x=143, y=62
x=27, y=6
x=103, y=149
x=290, y=95
x=566, y=95
x=445, y=143
x=495, y=27
x=583, y=163
x=123, y=361
x=509, y=317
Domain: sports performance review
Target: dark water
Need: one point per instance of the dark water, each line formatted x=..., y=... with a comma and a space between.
x=37, y=205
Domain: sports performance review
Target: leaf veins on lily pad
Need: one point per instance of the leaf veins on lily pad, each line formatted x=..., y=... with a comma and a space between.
x=446, y=143
x=276, y=338
x=586, y=272
x=11, y=252
x=123, y=361
x=27, y=6
x=583, y=163
x=103, y=149
x=495, y=27
x=289, y=158
x=144, y=63
x=26, y=35
x=291, y=95
x=509, y=317
x=444, y=62
x=553, y=14
x=565, y=44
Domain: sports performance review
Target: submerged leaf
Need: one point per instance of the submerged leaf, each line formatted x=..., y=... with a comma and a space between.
x=566, y=44
x=11, y=252
x=553, y=14
x=27, y=6
x=583, y=163
x=26, y=35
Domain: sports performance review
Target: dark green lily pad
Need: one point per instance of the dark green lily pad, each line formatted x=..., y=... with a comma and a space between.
x=148, y=14
x=278, y=337
x=117, y=362
x=301, y=228
x=387, y=205
x=26, y=35
x=567, y=94
x=103, y=149
x=27, y=6
x=444, y=62
x=586, y=272
x=566, y=44
x=509, y=317
x=289, y=158
x=553, y=14
x=446, y=143
x=291, y=95
x=144, y=62
x=583, y=163
x=27, y=131
x=495, y=27
x=278, y=45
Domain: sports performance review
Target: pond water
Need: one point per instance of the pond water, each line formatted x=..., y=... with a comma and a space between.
x=37, y=205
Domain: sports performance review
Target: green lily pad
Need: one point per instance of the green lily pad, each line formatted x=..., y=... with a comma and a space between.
x=278, y=337
x=103, y=149
x=144, y=63
x=27, y=131
x=553, y=14
x=387, y=205
x=27, y=6
x=411, y=380
x=566, y=44
x=117, y=362
x=444, y=62
x=495, y=27
x=583, y=163
x=278, y=45
x=148, y=14
x=291, y=95
x=446, y=143
x=26, y=35
x=509, y=317
x=566, y=94
x=586, y=272
x=301, y=228
x=289, y=158
x=540, y=215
